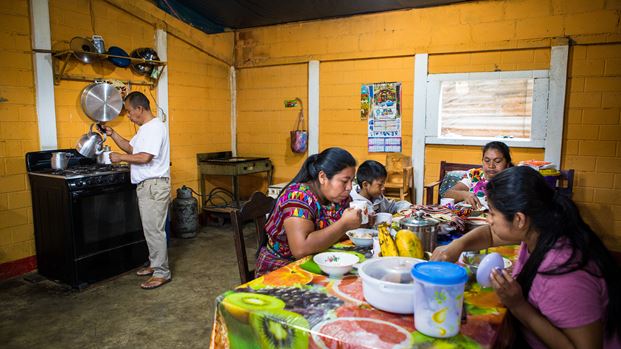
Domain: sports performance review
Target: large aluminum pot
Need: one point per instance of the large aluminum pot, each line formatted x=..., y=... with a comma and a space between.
x=425, y=228
x=91, y=144
x=387, y=283
x=60, y=160
x=101, y=101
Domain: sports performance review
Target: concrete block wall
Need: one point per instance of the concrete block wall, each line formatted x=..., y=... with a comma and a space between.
x=199, y=108
x=18, y=131
x=592, y=142
x=339, y=102
x=263, y=122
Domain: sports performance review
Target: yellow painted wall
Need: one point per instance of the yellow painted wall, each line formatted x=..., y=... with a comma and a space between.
x=200, y=109
x=592, y=141
x=263, y=122
x=199, y=100
x=474, y=36
x=339, y=102
x=18, y=131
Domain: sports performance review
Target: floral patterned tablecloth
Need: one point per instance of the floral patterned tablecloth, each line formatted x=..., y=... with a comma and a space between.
x=295, y=308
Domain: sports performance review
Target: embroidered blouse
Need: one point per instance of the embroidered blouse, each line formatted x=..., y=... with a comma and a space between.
x=298, y=200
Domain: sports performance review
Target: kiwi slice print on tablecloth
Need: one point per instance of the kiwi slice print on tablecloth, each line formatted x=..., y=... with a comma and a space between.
x=280, y=329
x=240, y=304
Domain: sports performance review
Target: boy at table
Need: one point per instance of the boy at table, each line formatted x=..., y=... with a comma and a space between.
x=370, y=178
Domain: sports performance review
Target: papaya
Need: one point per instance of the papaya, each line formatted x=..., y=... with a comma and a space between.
x=387, y=244
x=408, y=244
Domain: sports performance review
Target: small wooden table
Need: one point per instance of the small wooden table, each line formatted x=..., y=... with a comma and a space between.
x=224, y=164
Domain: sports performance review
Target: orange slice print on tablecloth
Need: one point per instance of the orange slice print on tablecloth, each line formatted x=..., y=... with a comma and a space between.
x=287, y=276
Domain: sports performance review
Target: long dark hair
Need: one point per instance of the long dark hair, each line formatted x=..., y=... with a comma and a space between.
x=331, y=161
x=555, y=216
x=501, y=147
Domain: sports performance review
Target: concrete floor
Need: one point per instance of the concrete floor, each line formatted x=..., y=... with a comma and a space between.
x=117, y=313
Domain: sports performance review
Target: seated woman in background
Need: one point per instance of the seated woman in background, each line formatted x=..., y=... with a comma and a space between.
x=471, y=188
x=312, y=212
x=564, y=290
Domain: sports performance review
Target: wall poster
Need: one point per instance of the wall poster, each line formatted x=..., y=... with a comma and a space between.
x=381, y=106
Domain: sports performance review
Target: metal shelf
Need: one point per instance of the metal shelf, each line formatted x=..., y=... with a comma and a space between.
x=65, y=56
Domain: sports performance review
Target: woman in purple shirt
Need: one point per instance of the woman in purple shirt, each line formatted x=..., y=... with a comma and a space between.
x=564, y=291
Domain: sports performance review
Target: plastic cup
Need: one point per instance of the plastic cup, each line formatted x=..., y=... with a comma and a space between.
x=438, y=298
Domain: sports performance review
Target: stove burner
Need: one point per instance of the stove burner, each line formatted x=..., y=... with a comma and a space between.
x=83, y=170
x=89, y=169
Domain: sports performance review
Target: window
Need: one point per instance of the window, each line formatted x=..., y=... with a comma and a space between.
x=475, y=108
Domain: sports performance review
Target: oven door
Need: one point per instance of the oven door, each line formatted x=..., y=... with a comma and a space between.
x=105, y=218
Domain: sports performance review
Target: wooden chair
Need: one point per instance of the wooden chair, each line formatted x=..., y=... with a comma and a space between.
x=400, y=180
x=445, y=167
x=256, y=210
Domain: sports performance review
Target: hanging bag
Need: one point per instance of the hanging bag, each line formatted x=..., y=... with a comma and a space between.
x=299, y=137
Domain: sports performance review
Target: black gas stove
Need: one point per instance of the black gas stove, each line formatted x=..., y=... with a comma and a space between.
x=88, y=176
x=86, y=219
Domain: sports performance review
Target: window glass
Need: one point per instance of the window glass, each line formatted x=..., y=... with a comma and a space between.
x=488, y=108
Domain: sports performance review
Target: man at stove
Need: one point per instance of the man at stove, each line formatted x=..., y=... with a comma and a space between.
x=148, y=154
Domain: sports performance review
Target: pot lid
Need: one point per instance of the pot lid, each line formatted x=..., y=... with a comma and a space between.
x=101, y=102
x=390, y=269
x=81, y=48
x=419, y=221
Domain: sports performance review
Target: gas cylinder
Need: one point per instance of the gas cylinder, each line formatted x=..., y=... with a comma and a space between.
x=185, y=214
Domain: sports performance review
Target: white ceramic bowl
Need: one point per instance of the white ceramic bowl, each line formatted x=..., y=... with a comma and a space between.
x=362, y=237
x=336, y=264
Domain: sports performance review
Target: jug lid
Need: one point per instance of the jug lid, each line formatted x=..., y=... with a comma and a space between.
x=418, y=221
x=441, y=273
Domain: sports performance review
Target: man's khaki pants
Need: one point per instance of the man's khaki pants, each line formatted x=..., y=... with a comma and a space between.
x=153, y=200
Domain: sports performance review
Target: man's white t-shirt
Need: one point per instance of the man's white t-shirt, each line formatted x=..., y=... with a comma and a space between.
x=152, y=138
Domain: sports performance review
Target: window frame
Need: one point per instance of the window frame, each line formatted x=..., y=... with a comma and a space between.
x=541, y=88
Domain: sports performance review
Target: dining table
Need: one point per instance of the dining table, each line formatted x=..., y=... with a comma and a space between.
x=297, y=306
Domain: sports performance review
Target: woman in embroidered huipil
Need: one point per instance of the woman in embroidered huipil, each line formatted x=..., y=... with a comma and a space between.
x=312, y=212
x=471, y=188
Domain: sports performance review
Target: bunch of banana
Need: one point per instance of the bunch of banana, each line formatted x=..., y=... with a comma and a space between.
x=387, y=244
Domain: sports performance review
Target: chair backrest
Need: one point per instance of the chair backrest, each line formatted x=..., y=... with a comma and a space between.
x=256, y=210
x=445, y=168
x=395, y=164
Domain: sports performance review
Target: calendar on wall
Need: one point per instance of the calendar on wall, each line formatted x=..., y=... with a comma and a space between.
x=381, y=106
